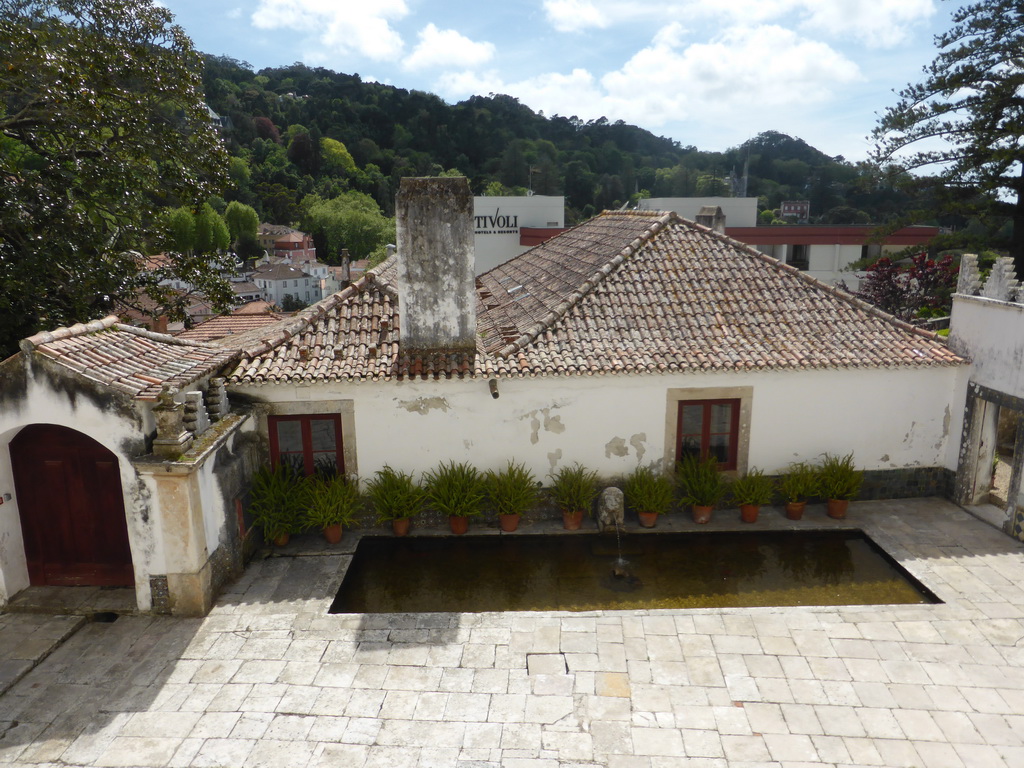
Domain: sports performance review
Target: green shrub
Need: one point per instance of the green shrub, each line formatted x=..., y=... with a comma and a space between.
x=394, y=495
x=700, y=481
x=754, y=488
x=275, y=500
x=574, y=488
x=799, y=482
x=838, y=478
x=330, y=500
x=513, y=490
x=649, y=491
x=456, y=490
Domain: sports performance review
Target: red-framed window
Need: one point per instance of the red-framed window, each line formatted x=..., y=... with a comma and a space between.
x=310, y=443
x=709, y=428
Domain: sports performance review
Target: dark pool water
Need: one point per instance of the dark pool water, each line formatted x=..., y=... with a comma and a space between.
x=582, y=572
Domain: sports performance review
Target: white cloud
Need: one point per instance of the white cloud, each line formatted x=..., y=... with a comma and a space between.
x=576, y=15
x=339, y=26
x=576, y=93
x=234, y=13
x=447, y=48
x=751, y=72
x=877, y=23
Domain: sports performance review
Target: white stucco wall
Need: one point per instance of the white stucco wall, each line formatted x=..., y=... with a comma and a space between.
x=991, y=333
x=888, y=418
x=40, y=403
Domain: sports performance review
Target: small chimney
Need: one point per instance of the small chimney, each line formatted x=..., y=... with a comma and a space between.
x=436, y=285
x=711, y=216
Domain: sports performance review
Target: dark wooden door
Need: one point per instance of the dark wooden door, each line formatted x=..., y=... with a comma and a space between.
x=71, y=507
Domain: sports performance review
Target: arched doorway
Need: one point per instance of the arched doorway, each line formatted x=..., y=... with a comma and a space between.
x=71, y=508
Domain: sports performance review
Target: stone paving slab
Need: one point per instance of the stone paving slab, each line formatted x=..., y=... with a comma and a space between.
x=270, y=679
x=27, y=639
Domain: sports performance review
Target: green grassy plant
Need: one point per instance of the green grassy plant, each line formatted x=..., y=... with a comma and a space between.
x=700, y=481
x=574, y=488
x=275, y=500
x=799, y=482
x=649, y=491
x=456, y=490
x=512, y=490
x=332, y=500
x=754, y=488
x=838, y=477
x=394, y=495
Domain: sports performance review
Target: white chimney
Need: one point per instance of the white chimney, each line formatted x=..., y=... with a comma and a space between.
x=436, y=285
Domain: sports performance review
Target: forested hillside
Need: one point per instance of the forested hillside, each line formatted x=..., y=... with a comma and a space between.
x=297, y=131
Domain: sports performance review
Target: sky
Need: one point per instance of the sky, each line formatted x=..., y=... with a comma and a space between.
x=707, y=74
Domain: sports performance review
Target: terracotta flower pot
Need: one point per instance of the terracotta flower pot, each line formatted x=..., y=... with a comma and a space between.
x=748, y=512
x=795, y=509
x=648, y=519
x=333, y=533
x=701, y=514
x=508, y=523
x=281, y=540
x=837, y=508
x=572, y=521
x=458, y=524
x=400, y=526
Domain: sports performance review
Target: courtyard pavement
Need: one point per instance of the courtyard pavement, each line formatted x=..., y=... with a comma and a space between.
x=270, y=679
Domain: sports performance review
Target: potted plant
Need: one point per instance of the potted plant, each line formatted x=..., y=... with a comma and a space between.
x=839, y=481
x=799, y=482
x=456, y=490
x=573, y=490
x=751, y=492
x=649, y=493
x=511, y=491
x=396, y=497
x=331, y=502
x=275, y=501
x=702, y=485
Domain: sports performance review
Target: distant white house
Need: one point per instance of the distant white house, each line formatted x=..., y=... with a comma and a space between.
x=276, y=281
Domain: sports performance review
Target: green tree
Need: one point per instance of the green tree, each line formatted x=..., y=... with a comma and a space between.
x=336, y=157
x=972, y=98
x=102, y=123
x=352, y=220
x=242, y=221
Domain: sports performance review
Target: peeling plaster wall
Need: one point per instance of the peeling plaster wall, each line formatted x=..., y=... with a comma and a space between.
x=31, y=392
x=991, y=334
x=888, y=418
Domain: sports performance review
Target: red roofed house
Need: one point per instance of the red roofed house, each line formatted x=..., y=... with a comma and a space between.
x=625, y=341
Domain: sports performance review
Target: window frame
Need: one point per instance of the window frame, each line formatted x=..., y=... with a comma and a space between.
x=305, y=420
x=705, y=434
x=745, y=396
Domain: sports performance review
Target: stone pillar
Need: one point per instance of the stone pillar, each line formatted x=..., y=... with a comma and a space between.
x=217, y=404
x=172, y=439
x=196, y=420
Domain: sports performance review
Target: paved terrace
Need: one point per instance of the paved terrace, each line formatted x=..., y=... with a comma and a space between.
x=269, y=679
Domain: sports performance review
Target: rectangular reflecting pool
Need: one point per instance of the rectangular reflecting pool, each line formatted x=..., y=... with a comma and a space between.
x=584, y=572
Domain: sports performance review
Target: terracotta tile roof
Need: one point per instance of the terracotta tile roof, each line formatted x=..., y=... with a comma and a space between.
x=131, y=360
x=228, y=325
x=638, y=292
x=278, y=272
x=274, y=229
x=258, y=307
